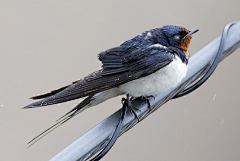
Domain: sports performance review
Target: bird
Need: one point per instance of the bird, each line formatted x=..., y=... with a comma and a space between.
x=148, y=64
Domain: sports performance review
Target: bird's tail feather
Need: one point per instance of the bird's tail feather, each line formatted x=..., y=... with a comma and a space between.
x=48, y=94
x=77, y=109
x=51, y=93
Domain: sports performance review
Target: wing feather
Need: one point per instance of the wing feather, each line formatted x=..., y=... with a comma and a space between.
x=117, y=69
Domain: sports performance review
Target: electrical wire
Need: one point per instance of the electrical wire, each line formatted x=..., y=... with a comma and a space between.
x=213, y=66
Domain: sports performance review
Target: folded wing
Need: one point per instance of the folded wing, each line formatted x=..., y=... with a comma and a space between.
x=120, y=65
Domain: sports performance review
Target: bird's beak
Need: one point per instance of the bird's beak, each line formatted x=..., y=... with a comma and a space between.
x=190, y=32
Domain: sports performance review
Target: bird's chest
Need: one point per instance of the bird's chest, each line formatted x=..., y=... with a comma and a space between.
x=157, y=82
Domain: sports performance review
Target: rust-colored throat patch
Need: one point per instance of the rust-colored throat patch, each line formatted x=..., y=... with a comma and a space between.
x=185, y=45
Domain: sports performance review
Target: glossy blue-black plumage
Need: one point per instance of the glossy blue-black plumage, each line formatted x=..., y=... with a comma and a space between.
x=170, y=31
x=138, y=47
x=135, y=58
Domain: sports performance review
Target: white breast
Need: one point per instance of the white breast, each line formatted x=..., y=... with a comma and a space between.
x=157, y=82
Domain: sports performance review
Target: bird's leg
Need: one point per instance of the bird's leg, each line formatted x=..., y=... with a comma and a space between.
x=145, y=98
x=130, y=106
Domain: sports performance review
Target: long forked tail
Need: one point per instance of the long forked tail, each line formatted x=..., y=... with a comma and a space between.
x=91, y=100
x=77, y=109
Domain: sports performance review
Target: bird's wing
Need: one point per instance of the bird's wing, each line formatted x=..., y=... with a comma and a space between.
x=120, y=65
x=52, y=92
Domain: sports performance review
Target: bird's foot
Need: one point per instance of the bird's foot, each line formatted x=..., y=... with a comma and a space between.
x=130, y=106
x=146, y=99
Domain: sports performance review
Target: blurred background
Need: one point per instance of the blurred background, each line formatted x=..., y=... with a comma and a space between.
x=45, y=45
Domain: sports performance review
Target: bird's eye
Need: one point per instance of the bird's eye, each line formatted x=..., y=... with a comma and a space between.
x=176, y=37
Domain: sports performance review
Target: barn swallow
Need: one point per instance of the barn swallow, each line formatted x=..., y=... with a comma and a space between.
x=147, y=64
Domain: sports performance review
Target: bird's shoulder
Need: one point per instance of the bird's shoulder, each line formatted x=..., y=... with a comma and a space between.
x=134, y=45
x=123, y=54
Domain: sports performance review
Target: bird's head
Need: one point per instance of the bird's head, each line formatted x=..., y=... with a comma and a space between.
x=179, y=37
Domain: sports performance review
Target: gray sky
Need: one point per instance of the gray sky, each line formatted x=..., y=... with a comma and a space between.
x=48, y=44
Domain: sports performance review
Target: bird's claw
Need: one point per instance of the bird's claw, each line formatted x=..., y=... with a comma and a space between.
x=131, y=107
x=145, y=98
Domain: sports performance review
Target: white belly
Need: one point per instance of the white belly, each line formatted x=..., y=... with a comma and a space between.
x=157, y=82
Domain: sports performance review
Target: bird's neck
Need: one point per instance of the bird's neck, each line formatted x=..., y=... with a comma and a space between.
x=184, y=55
